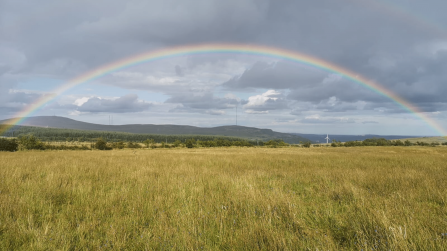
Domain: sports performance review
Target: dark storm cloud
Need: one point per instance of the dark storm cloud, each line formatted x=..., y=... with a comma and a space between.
x=125, y=104
x=417, y=85
x=340, y=88
x=179, y=22
x=4, y=69
x=334, y=105
x=391, y=107
x=281, y=75
x=16, y=100
x=178, y=71
x=206, y=101
x=297, y=111
x=99, y=31
x=420, y=79
x=23, y=97
x=323, y=28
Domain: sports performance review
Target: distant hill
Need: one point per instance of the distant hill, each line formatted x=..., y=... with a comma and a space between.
x=438, y=139
x=232, y=131
x=320, y=138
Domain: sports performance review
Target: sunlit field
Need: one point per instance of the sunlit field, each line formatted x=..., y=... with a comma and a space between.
x=370, y=198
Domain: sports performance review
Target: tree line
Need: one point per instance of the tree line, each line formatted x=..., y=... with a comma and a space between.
x=31, y=142
x=72, y=135
x=382, y=142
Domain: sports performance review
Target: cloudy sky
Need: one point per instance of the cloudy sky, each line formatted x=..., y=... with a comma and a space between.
x=400, y=44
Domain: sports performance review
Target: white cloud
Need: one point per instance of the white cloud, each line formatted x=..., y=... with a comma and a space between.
x=256, y=112
x=125, y=104
x=81, y=101
x=215, y=112
x=263, y=103
x=260, y=100
x=75, y=113
x=317, y=119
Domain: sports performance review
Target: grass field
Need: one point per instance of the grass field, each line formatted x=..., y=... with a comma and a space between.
x=370, y=198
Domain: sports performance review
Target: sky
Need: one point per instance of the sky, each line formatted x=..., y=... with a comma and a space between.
x=399, y=44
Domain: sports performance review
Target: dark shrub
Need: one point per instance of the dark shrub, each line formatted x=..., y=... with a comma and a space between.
x=101, y=144
x=398, y=143
x=306, y=144
x=9, y=145
x=118, y=145
x=190, y=143
x=177, y=143
x=29, y=142
x=150, y=143
x=133, y=145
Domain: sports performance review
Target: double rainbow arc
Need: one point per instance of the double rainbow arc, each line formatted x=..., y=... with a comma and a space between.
x=226, y=48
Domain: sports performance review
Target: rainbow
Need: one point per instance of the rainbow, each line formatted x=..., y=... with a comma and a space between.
x=225, y=48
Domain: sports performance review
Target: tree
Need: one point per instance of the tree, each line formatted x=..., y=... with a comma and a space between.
x=306, y=144
x=383, y=142
x=398, y=143
x=190, y=143
x=334, y=143
x=434, y=144
x=407, y=143
x=29, y=142
x=101, y=144
x=150, y=143
x=271, y=143
x=9, y=145
x=177, y=143
x=275, y=143
x=133, y=145
x=119, y=145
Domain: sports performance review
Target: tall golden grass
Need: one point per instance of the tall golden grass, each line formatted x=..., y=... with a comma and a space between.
x=378, y=198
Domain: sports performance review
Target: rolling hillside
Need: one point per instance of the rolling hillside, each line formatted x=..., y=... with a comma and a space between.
x=232, y=131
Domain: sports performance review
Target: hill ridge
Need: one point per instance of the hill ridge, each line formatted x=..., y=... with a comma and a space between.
x=166, y=129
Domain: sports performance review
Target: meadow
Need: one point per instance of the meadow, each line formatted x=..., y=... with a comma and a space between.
x=370, y=198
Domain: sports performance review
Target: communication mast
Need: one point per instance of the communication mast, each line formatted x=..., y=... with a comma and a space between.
x=236, y=114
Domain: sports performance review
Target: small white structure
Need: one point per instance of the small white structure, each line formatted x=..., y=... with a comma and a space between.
x=327, y=138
